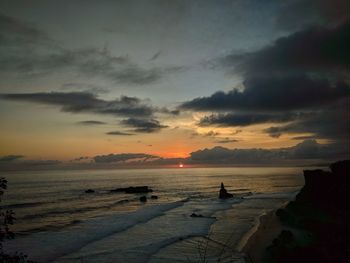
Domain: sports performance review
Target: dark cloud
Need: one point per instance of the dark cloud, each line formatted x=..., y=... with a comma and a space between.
x=85, y=87
x=167, y=111
x=81, y=158
x=123, y=157
x=135, y=75
x=300, y=81
x=10, y=158
x=156, y=55
x=212, y=134
x=91, y=122
x=331, y=122
x=29, y=51
x=119, y=133
x=143, y=125
x=273, y=94
x=76, y=102
x=287, y=75
x=304, y=138
x=140, y=113
x=308, y=149
x=317, y=50
x=15, y=32
x=42, y=162
x=335, y=11
x=90, y=62
x=244, y=119
x=10, y=163
x=297, y=14
x=226, y=140
x=275, y=132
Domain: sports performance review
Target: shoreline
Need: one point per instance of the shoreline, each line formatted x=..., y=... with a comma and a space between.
x=259, y=237
x=316, y=222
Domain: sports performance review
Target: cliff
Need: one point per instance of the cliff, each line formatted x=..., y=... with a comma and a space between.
x=318, y=219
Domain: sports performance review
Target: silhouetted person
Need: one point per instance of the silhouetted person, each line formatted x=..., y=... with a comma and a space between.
x=223, y=193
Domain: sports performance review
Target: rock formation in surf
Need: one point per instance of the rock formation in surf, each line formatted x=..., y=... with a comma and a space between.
x=223, y=193
x=133, y=190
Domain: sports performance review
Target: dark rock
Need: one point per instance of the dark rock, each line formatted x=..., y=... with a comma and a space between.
x=223, y=193
x=89, y=191
x=143, y=199
x=117, y=190
x=320, y=210
x=133, y=190
x=327, y=190
x=196, y=215
x=154, y=197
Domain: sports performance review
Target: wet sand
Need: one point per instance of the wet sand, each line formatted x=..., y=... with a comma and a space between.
x=269, y=227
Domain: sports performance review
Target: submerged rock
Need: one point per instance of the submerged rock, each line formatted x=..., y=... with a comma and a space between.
x=196, y=215
x=154, y=197
x=223, y=193
x=133, y=189
x=89, y=191
x=143, y=199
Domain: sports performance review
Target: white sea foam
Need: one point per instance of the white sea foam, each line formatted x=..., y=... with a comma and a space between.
x=279, y=195
x=47, y=246
x=139, y=243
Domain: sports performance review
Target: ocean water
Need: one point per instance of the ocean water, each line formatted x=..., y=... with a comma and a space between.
x=58, y=222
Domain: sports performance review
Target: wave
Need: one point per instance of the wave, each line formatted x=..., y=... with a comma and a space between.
x=279, y=195
x=57, y=200
x=147, y=240
x=240, y=189
x=22, y=205
x=72, y=239
x=75, y=210
x=54, y=227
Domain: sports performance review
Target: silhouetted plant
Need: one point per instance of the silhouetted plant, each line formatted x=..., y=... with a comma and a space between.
x=220, y=252
x=7, y=218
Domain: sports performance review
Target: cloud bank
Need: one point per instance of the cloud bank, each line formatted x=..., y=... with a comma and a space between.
x=122, y=157
x=300, y=83
x=308, y=152
x=140, y=114
x=308, y=149
x=29, y=51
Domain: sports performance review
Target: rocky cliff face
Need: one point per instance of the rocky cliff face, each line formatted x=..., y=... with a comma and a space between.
x=327, y=190
x=321, y=212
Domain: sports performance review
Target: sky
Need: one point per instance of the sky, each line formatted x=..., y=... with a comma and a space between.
x=198, y=81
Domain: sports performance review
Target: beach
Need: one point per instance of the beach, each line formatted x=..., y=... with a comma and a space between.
x=266, y=230
x=313, y=227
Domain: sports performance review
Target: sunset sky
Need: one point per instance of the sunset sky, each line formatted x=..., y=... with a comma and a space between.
x=80, y=79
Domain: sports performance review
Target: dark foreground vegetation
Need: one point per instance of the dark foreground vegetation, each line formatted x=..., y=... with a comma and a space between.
x=6, y=220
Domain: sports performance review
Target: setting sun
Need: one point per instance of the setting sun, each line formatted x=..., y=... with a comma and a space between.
x=181, y=165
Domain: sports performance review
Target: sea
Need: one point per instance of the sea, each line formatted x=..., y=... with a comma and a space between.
x=56, y=221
